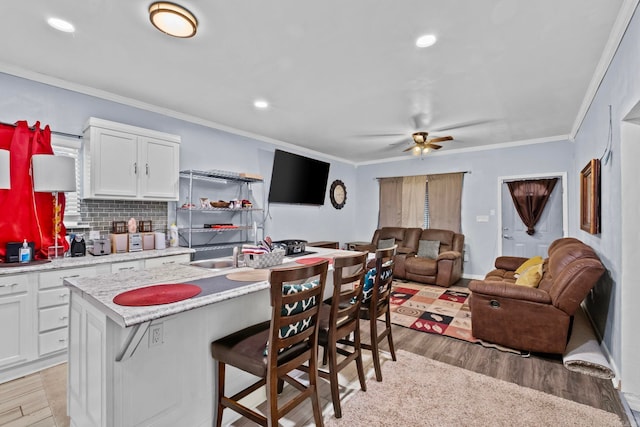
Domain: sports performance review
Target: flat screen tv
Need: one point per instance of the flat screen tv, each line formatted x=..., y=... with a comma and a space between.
x=298, y=180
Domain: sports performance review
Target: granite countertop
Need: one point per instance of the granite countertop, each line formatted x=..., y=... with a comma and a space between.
x=82, y=261
x=101, y=290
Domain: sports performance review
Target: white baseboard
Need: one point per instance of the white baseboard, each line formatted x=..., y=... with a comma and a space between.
x=473, y=276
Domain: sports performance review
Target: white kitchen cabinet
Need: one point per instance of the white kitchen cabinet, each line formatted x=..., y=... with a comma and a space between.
x=167, y=260
x=123, y=162
x=15, y=319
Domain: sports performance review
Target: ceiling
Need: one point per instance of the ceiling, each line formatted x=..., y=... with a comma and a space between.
x=340, y=76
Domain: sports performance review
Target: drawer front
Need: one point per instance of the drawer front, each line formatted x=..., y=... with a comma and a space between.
x=53, y=341
x=53, y=318
x=125, y=266
x=167, y=260
x=13, y=284
x=53, y=297
x=53, y=279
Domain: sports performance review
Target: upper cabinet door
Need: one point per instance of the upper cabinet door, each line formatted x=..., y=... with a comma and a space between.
x=115, y=163
x=159, y=164
x=123, y=162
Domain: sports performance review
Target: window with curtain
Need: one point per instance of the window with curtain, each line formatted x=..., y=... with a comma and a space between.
x=69, y=147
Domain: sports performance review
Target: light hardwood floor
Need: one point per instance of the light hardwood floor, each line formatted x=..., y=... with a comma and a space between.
x=39, y=399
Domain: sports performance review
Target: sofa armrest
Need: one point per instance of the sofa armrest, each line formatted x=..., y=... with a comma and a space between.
x=509, y=263
x=452, y=255
x=509, y=290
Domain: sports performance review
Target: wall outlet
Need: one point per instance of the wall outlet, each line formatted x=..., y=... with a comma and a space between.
x=155, y=334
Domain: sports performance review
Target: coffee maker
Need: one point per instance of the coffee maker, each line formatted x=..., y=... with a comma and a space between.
x=78, y=246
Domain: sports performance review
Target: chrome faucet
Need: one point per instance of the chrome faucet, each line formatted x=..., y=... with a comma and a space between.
x=236, y=250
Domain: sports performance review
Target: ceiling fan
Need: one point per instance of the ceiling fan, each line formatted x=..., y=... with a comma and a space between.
x=423, y=144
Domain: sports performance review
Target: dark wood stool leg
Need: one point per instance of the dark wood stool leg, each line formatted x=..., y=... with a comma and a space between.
x=359, y=365
x=375, y=352
x=389, y=336
x=221, y=373
x=333, y=376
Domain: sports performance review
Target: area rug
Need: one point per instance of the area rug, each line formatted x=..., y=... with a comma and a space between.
x=437, y=310
x=417, y=391
x=583, y=353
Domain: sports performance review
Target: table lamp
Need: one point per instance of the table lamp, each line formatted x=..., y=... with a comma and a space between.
x=5, y=170
x=53, y=174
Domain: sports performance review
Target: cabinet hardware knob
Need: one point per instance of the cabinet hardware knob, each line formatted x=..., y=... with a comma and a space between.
x=135, y=168
x=147, y=167
x=69, y=277
x=62, y=340
x=63, y=295
x=63, y=317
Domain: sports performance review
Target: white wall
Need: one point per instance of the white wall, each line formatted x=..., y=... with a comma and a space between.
x=479, y=189
x=202, y=148
x=620, y=89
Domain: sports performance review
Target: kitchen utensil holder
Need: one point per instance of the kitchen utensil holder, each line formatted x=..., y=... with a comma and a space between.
x=268, y=259
x=145, y=226
x=119, y=227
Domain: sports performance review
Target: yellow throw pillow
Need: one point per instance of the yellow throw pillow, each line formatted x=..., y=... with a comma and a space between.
x=530, y=277
x=528, y=263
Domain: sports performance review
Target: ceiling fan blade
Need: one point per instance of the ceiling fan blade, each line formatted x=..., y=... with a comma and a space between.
x=462, y=125
x=441, y=139
x=409, y=149
x=401, y=142
x=434, y=146
x=376, y=135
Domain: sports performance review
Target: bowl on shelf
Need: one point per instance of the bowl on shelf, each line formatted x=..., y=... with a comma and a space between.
x=220, y=204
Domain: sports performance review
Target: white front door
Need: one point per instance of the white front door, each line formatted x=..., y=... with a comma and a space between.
x=515, y=240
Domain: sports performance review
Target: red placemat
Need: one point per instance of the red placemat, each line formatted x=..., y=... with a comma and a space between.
x=157, y=294
x=313, y=260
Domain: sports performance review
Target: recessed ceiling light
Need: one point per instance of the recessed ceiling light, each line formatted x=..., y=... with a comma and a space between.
x=261, y=104
x=426, y=40
x=61, y=25
x=173, y=19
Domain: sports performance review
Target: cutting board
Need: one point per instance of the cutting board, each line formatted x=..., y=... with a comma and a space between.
x=249, y=276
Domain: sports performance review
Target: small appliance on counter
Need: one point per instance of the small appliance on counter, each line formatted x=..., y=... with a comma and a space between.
x=100, y=247
x=119, y=243
x=78, y=246
x=13, y=250
x=291, y=247
x=135, y=242
x=148, y=241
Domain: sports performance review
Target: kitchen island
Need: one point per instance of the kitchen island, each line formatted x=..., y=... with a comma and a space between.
x=151, y=365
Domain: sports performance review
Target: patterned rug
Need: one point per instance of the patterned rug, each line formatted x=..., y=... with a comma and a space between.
x=436, y=310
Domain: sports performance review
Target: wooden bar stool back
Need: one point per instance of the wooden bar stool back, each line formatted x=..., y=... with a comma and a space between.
x=340, y=319
x=378, y=304
x=273, y=349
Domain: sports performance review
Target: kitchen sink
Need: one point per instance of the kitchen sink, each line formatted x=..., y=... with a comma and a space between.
x=213, y=264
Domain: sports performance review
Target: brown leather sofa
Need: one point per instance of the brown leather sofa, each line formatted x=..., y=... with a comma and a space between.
x=405, y=238
x=534, y=319
x=443, y=271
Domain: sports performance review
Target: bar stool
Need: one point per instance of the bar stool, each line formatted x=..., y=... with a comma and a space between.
x=375, y=303
x=339, y=320
x=272, y=349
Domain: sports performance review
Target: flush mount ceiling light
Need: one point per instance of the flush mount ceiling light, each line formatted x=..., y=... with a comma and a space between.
x=426, y=40
x=261, y=104
x=61, y=25
x=173, y=19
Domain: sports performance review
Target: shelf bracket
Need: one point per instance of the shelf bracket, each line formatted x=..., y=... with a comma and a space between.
x=132, y=341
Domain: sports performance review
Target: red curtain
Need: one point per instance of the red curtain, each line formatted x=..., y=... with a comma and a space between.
x=530, y=198
x=25, y=214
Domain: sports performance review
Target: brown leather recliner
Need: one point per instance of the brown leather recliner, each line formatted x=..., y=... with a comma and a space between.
x=534, y=319
x=405, y=238
x=442, y=271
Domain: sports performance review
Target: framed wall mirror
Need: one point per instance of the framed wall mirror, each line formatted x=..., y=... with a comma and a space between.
x=590, y=197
